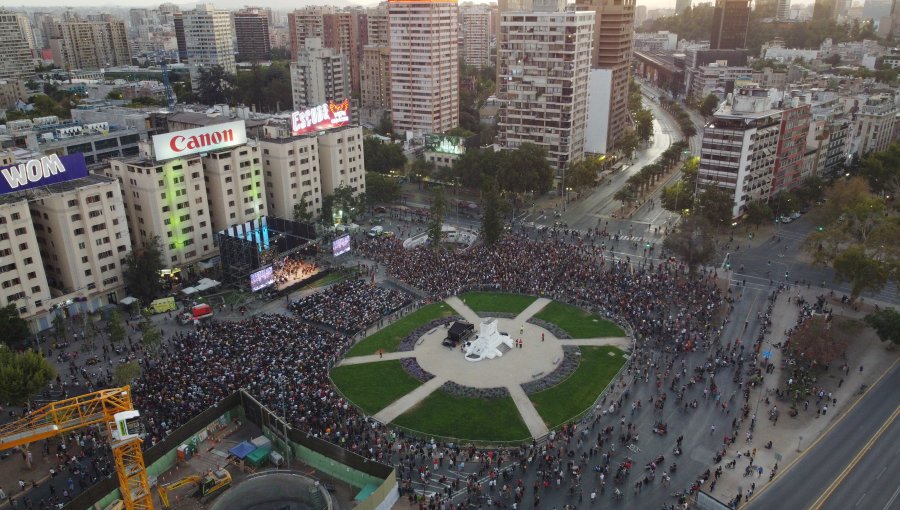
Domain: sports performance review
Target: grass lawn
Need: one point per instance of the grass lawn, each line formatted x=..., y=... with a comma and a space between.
x=475, y=419
x=332, y=277
x=372, y=386
x=562, y=402
x=496, y=302
x=577, y=322
x=390, y=337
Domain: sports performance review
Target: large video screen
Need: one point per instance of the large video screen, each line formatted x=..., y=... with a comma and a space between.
x=262, y=279
x=341, y=245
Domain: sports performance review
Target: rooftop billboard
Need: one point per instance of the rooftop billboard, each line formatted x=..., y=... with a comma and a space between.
x=37, y=172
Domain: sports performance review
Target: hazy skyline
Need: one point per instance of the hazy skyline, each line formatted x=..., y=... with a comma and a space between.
x=235, y=4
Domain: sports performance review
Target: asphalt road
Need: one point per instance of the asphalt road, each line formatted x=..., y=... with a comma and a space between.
x=866, y=442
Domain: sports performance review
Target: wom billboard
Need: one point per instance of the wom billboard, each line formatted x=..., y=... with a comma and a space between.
x=38, y=172
x=197, y=140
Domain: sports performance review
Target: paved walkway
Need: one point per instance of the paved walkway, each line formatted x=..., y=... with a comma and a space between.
x=533, y=420
x=463, y=309
x=532, y=309
x=373, y=358
x=408, y=401
x=622, y=342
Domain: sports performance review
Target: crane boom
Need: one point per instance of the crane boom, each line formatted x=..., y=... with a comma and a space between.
x=111, y=407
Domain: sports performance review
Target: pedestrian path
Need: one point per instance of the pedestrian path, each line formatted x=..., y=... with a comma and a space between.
x=533, y=420
x=622, y=342
x=374, y=358
x=532, y=309
x=408, y=401
x=463, y=309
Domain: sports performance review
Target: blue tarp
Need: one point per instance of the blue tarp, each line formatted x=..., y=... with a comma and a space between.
x=242, y=450
x=366, y=491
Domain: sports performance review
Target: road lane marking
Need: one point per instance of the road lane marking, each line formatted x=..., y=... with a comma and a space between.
x=893, y=498
x=862, y=453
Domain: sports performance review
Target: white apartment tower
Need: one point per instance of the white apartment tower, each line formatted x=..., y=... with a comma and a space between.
x=209, y=39
x=475, y=28
x=341, y=160
x=424, y=39
x=234, y=186
x=15, y=46
x=319, y=74
x=375, y=82
x=291, y=167
x=875, y=124
x=91, y=44
x=544, y=64
x=23, y=281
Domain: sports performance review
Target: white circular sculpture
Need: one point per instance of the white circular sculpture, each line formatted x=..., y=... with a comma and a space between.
x=489, y=342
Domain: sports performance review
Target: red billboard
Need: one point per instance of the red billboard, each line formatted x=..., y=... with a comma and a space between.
x=325, y=116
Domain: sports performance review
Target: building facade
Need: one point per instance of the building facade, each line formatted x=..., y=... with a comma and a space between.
x=318, y=75
x=291, y=168
x=544, y=64
x=91, y=44
x=341, y=161
x=475, y=35
x=209, y=39
x=789, y=163
x=18, y=59
x=378, y=26
x=424, y=40
x=341, y=32
x=251, y=30
x=875, y=124
x=234, y=185
x=730, y=21
x=306, y=23
x=376, y=77
x=23, y=281
x=612, y=49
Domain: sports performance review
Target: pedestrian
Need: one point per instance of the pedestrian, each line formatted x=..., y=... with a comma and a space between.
x=712, y=429
x=860, y=369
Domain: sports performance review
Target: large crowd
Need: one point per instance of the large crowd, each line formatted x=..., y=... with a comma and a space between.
x=350, y=306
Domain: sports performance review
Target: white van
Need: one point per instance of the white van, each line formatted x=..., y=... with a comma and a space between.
x=375, y=231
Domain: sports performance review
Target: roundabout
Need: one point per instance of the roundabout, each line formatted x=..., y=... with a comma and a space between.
x=537, y=379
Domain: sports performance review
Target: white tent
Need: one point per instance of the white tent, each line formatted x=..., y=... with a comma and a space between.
x=128, y=301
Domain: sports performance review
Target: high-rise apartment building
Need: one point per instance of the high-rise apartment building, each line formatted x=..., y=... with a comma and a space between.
x=613, y=46
x=251, y=29
x=319, y=74
x=544, y=63
x=306, y=23
x=682, y=5
x=424, y=39
x=167, y=199
x=793, y=132
x=234, y=185
x=475, y=34
x=783, y=10
x=91, y=44
x=83, y=236
x=17, y=61
x=291, y=168
x=341, y=160
x=740, y=147
x=375, y=86
x=209, y=39
x=875, y=124
x=730, y=21
x=180, y=38
x=341, y=32
x=377, y=26
x=23, y=281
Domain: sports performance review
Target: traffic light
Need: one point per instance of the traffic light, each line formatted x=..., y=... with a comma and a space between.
x=820, y=228
x=647, y=246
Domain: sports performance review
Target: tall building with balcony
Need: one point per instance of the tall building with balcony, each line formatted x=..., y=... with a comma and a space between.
x=15, y=46
x=544, y=64
x=319, y=74
x=341, y=32
x=475, y=35
x=341, y=161
x=793, y=132
x=291, y=168
x=875, y=124
x=740, y=147
x=209, y=39
x=306, y=23
x=612, y=50
x=424, y=39
x=375, y=86
x=730, y=21
x=378, y=26
x=23, y=281
x=251, y=30
x=234, y=185
x=91, y=44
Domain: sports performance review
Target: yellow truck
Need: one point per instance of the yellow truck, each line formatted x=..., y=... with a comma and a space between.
x=161, y=305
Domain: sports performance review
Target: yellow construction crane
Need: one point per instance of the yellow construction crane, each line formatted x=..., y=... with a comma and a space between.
x=208, y=484
x=110, y=407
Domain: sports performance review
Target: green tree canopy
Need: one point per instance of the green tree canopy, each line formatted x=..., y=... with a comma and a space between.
x=381, y=189
x=885, y=322
x=115, y=328
x=643, y=120
x=709, y=104
x=13, y=329
x=861, y=270
x=141, y=270
x=215, y=85
x=880, y=169
x=491, y=224
x=302, y=210
x=126, y=373
x=382, y=157
x=436, y=219
x=692, y=242
x=151, y=337
x=23, y=374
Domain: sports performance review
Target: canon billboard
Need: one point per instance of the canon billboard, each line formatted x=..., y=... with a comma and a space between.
x=325, y=116
x=197, y=140
x=42, y=171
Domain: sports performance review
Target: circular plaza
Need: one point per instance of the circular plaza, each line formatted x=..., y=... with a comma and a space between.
x=427, y=373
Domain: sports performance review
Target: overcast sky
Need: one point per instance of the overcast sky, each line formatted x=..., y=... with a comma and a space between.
x=234, y=4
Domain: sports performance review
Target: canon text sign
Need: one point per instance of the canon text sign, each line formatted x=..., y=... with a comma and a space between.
x=42, y=171
x=197, y=140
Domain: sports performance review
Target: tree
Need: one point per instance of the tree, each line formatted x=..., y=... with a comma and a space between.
x=759, y=212
x=643, y=120
x=716, y=206
x=885, y=322
x=59, y=326
x=709, y=105
x=583, y=174
x=141, y=270
x=115, y=94
x=626, y=194
x=302, y=212
x=628, y=143
x=341, y=207
x=491, y=224
x=861, y=270
x=115, y=328
x=880, y=170
x=382, y=157
x=525, y=170
x=677, y=197
x=13, y=329
x=22, y=375
x=151, y=337
x=126, y=373
x=385, y=125
x=436, y=220
x=692, y=242
x=814, y=342
x=215, y=85
x=381, y=189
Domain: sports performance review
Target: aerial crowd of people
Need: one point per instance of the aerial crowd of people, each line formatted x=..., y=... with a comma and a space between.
x=349, y=306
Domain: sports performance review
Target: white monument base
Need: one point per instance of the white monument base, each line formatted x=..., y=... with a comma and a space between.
x=487, y=344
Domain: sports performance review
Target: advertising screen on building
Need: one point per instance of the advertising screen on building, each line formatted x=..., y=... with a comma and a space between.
x=262, y=279
x=42, y=171
x=197, y=140
x=325, y=116
x=445, y=144
x=341, y=245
